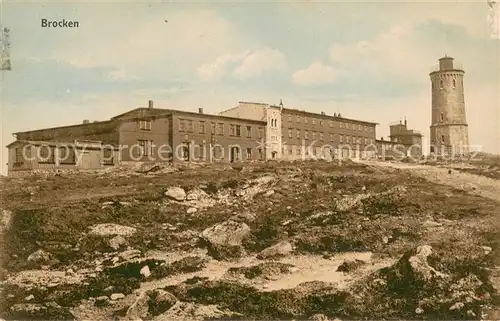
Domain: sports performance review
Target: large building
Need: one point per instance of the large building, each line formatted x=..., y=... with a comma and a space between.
x=449, y=130
x=248, y=132
x=297, y=134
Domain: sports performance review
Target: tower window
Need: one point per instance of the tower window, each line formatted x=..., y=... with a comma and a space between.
x=441, y=84
x=442, y=139
x=442, y=117
x=454, y=83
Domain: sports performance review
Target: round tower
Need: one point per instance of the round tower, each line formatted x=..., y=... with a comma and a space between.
x=449, y=130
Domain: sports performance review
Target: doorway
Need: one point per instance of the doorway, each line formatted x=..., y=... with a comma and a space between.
x=234, y=155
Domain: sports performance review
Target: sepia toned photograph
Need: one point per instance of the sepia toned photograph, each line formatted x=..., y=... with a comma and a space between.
x=250, y=160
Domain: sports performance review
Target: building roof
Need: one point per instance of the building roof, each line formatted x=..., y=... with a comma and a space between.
x=303, y=112
x=75, y=143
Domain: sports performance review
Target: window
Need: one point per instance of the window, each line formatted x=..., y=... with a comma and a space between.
x=220, y=129
x=320, y=136
x=321, y=123
x=182, y=125
x=274, y=138
x=442, y=139
x=298, y=119
x=305, y=120
x=331, y=137
x=238, y=130
x=454, y=83
x=314, y=135
x=289, y=133
x=19, y=158
x=341, y=138
x=185, y=152
x=107, y=156
x=359, y=127
x=213, y=128
x=306, y=134
x=202, y=127
x=347, y=139
x=442, y=117
x=190, y=125
x=47, y=154
x=261, y=154
x=290, y=150
x=441, y=84
x=249, y=131
x=366, y=141
x=145, y=147
x=314, y=121
x=298, y=133
x=249, y=153
x=330, y=123
x=260, y=133
x=67, y=155
x=145, y=125
x=289, y=118
x=231, y=130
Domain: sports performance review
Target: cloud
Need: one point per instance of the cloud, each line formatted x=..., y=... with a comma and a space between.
x=220, y=66
x=258, y=62
x=120, y=74
x=244, y=65
x=149, y=40
x=316, y=74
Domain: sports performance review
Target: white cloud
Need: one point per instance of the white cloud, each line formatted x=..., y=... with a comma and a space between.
x=316, y=74
x=260, y=61
x=220, y=66
x=185, y=41
x=244, y=65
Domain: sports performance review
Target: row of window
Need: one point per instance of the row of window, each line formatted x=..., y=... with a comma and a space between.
x=441, y=84
x=332, y=124
x=332, y=137
x=187, y=125
x=66, y=155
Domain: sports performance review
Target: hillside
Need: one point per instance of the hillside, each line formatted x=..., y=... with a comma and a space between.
x=302, y=240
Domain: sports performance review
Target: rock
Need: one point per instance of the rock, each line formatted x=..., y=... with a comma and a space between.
x=160, y=301
x=145, y=271
x=269, y=193
x=487, y=249
x=244, y=217
x=40, y=256
x=419, y=310
x=319, y=317
x=39, y=311
x=29, y=297
x=129, y=254
x=117, y=242
x=101, y=301
x=175, y=193
x=280, y=249
x=191, y=210
x=224, y=240
x=430, y=223
x=109, y=229
x=117, y=296
x=350, y=265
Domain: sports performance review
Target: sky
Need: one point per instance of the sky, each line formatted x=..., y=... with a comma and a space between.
x=367, y=60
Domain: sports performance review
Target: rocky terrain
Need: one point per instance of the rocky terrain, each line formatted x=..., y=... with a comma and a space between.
x=305, y=240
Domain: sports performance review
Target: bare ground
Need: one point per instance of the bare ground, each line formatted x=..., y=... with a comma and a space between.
x=351, y=241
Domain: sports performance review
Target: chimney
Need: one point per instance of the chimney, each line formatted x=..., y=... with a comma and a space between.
x=405, y=121
x=150, y=104
x=200, y=110
x=86, y=121
x=323, y=113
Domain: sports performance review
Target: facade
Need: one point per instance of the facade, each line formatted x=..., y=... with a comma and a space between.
x=411, y=139
x=449, y=129
x=27, y=155
x=154, y=135
x=297, y=134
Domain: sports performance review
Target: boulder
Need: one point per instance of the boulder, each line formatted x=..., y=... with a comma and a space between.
x=110, y=229
x=40, y=256
x=280, y=249
x=176, y=193
x=224, y=240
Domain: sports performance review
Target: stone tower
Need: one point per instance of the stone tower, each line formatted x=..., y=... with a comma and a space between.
x=449, y=130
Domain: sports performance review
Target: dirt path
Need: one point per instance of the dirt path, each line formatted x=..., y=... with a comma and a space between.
x=474, y=184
